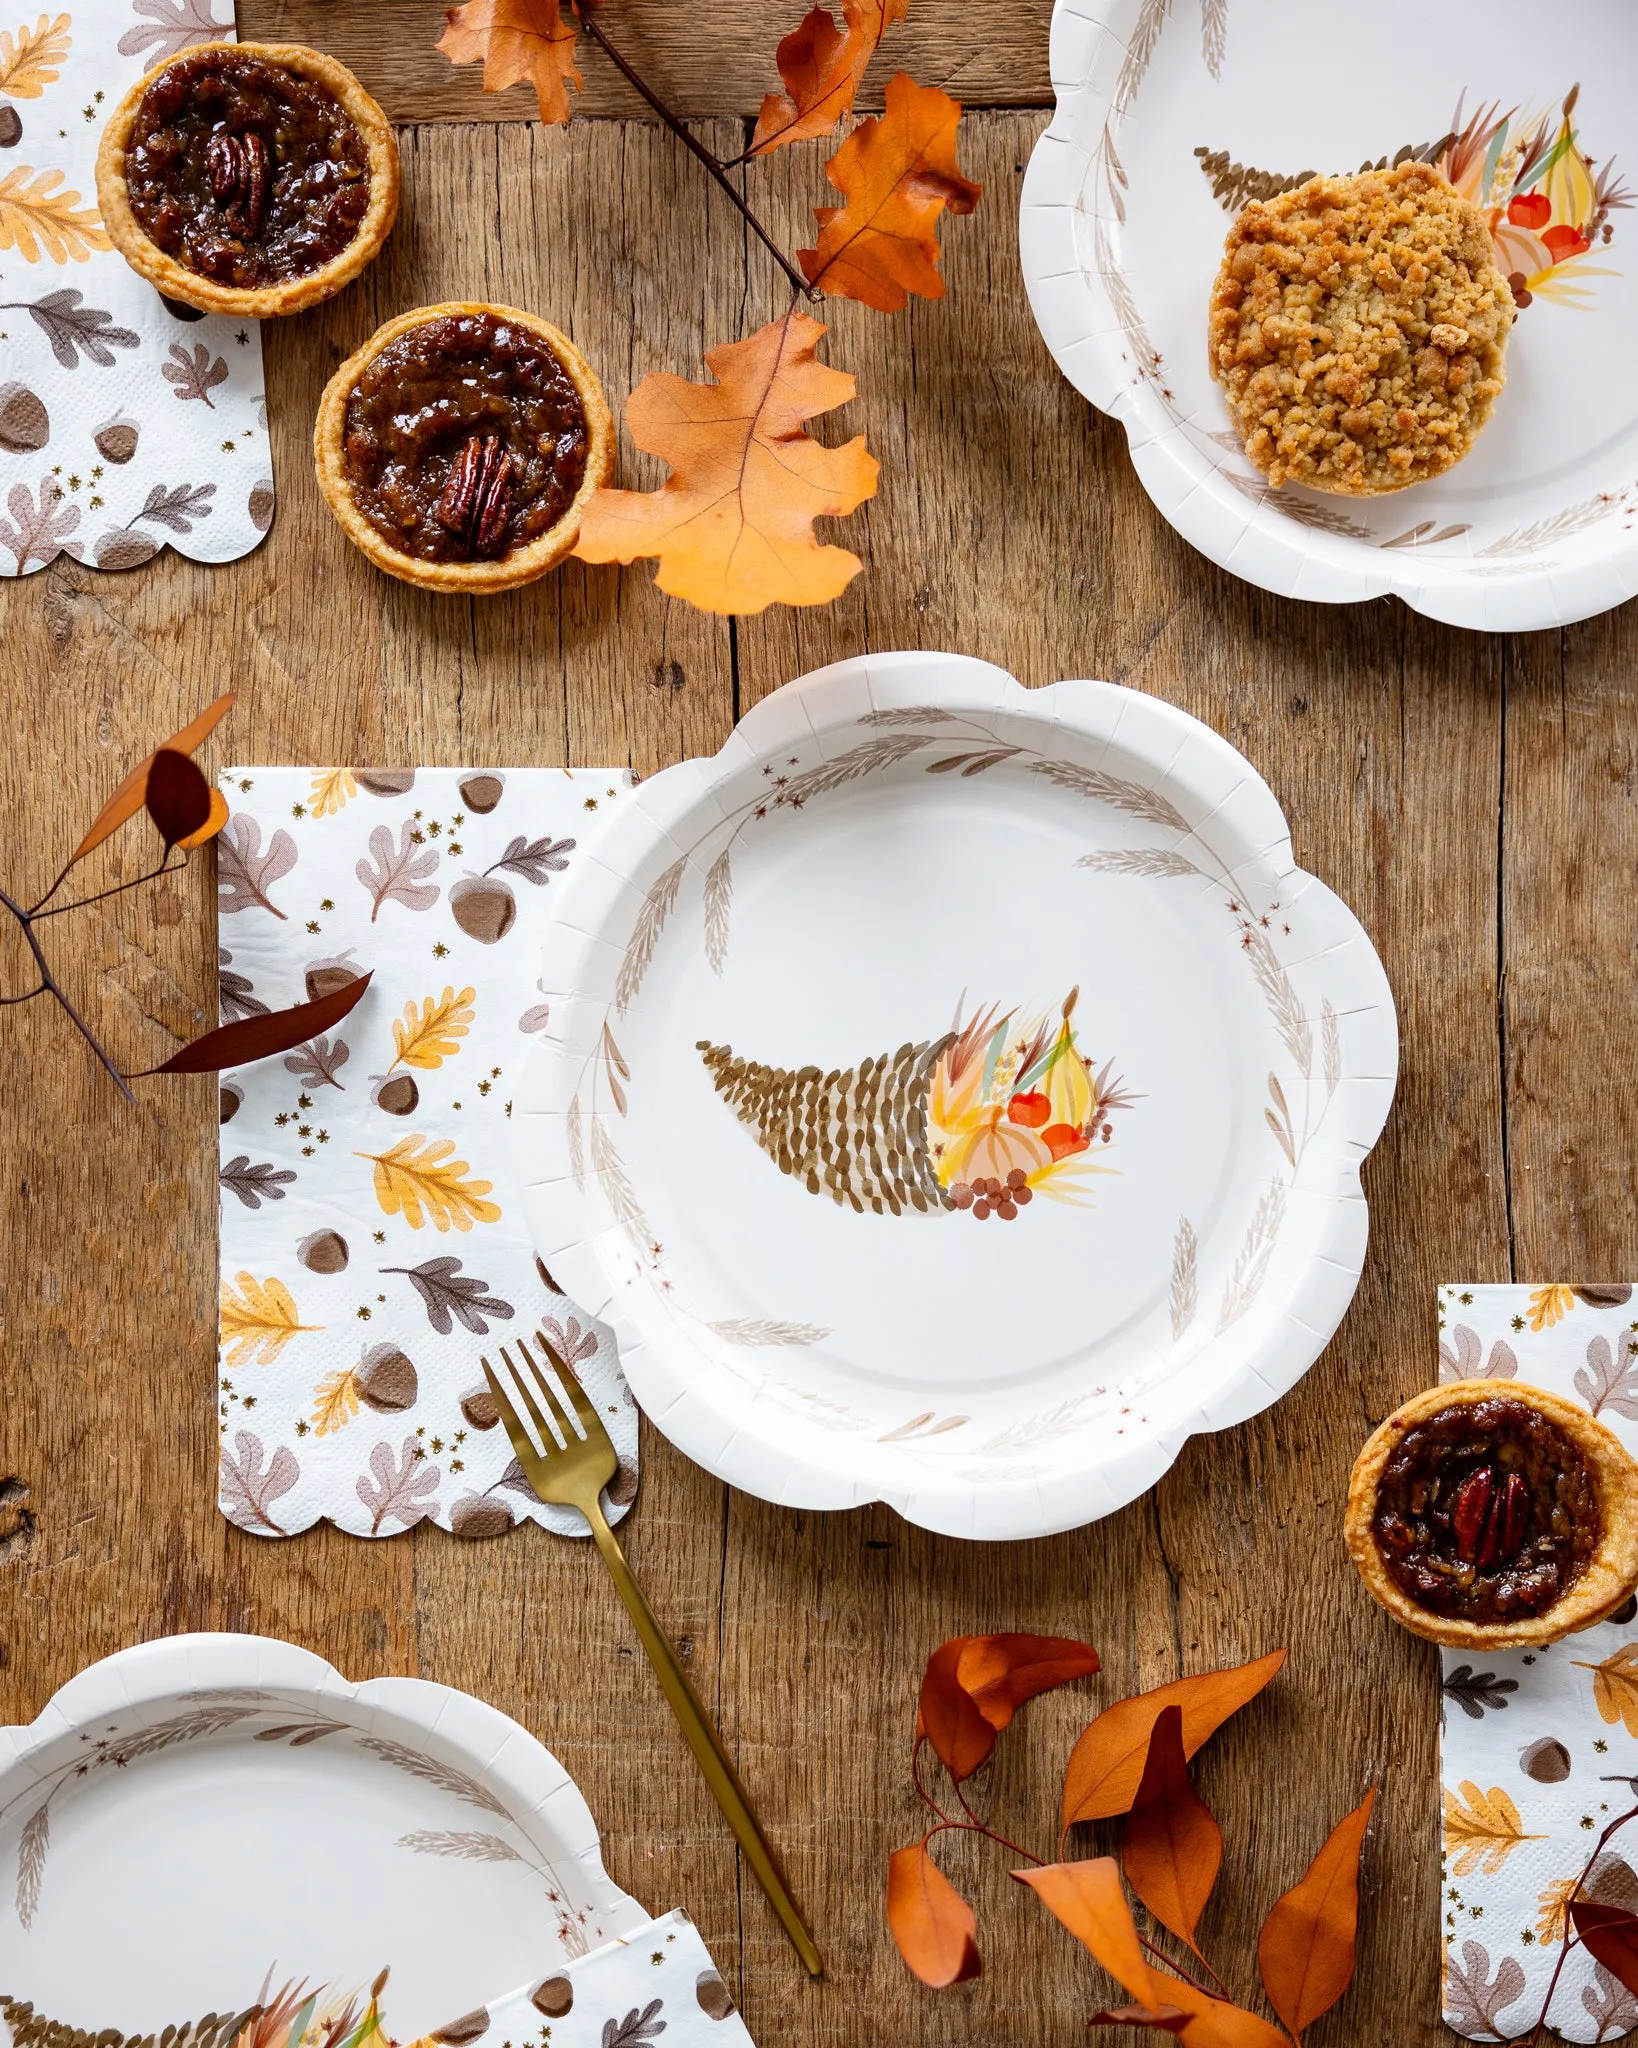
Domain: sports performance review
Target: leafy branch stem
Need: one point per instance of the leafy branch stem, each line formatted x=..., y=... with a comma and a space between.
x=587, y=11
x=48, y=980
x=1539, y=2033
x=119, y=888
x=38, y=990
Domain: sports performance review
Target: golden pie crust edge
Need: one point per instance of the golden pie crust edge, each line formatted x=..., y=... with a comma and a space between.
x=1612, y=1573
x=260, y=302
x=481, y=579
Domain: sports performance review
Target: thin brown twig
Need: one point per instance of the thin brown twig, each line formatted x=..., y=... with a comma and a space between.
x=713, y=164
x=49, y=981
x=118, y=889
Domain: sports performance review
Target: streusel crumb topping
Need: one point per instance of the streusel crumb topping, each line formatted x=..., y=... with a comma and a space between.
x=1359, y=327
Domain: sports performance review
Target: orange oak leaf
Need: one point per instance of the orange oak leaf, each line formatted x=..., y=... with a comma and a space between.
x=931, y=1922
x=898, y=173
x=822, y=66
x=973, y=1685
x=132, y=793
x=1173, y=1848
x=1306, y=1948
x=1090, y=1901
x=733, y=524
x=1106, y=1765
x=1610, y=1936
x=516, y=40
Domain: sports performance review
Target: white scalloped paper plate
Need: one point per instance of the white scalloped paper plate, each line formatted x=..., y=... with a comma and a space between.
x=226, y=1813
x=1165, y=106
x=739, y=1144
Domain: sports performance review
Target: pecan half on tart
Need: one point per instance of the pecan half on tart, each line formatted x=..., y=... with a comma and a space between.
x=248, y=178
x=1488, y=1514
x=459, y=446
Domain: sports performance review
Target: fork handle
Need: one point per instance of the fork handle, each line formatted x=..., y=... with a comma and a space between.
x=704, y=1741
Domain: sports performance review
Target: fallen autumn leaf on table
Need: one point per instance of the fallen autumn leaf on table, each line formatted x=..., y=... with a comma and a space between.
x=1306, y=1949
x=516, y=40
x=1089, y=1900
x=1106, y=1765
x=1173, y=1848
x=898, y=173
x=822, y=66
x=973, y=1685
x=733, y=524
x=930, y=1920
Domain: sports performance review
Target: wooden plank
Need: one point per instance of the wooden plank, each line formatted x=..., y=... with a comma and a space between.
x=714, y=57
x=1570, y=840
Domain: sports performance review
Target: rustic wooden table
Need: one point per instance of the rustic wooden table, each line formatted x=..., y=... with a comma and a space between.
x=1474, y=798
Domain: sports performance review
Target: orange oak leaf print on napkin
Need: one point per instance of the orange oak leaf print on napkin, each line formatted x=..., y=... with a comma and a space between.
x=372, y=1246
x=1539, y=1751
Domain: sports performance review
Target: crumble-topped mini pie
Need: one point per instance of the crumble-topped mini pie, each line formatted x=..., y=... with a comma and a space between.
x=249, y=178
x=1359, y=329
x=1487, y=1514
x=459, y=446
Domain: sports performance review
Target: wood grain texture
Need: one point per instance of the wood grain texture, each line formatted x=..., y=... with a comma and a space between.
x=711, y=57
x=1471, y=797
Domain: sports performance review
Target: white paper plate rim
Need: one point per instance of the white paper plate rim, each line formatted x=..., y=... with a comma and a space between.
x=732, y=1394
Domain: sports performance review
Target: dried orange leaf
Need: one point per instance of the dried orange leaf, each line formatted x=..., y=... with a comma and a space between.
x=999, y=1673
x=1106, y=1765
x=733, y=524
x=1169, y=2020
x=822, y=66
x=973, y=1685
x=1610, y=1936
x=948, y=1717
x=1173, y=1848
x=930, y=1920
x=1090, y=1901
x=129, y=798
x=516, y=40
x=212, y=825
x=1306, y=1948
x=897, y=173
x=1215, y=2023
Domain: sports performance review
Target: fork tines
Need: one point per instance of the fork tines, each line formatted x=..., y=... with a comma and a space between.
x=559, y=1433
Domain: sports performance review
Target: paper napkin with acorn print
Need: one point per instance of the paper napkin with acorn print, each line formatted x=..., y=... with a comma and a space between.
x=128, y=422
x=655, y=1988
x=373, y=1246
x=1540, y=1748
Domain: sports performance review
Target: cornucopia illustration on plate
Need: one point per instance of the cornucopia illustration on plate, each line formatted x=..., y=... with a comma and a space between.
x=1000, y=1109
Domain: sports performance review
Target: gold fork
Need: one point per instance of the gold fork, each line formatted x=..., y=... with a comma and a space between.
x=570, y=1468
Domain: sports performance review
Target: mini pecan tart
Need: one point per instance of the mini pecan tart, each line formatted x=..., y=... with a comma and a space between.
x=1488, y=1514
x=248, y=178
x=459, y=446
